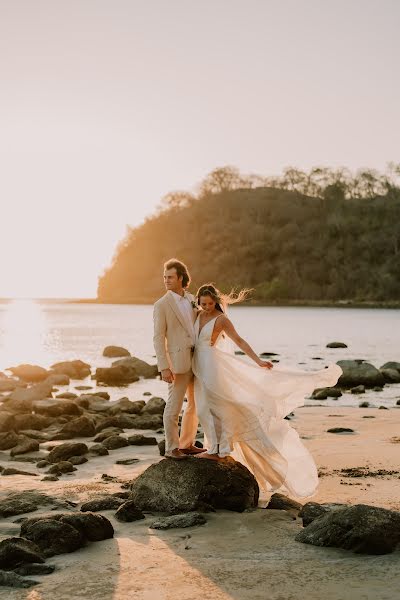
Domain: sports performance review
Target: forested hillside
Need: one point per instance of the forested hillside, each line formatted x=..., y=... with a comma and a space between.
x=322, y=236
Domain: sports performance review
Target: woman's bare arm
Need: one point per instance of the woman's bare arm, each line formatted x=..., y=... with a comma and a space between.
x=224, y=324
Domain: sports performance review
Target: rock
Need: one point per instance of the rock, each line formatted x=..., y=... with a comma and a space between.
x=13, y=580
x=8, y=384
x=281, y=502
x=120, y=421
x=83, y=387
x=114, y=442
x=29, y=373
x=12, y=471
x=49, y=478
x=333, y=392
x=42, y=464
x=56, y=408
x=19, y=503
x=127, y=406
x=359, y=389
x=312, y=510
x=141, y=440
x=67, y=396
x=361, y=528
x=58, y=379
x=383, y=407
x=358, y=372
x=364, y=404
x=319, y=394
x=127, y=461
x=128, y=512
x=391, y=365
x=184, y=486
x=31, y=421
x=390, y=375
x=18, y=551
x=34, y=569
x=106, y=503
x=60, y=468
x=81, y=427
x=103, y=395
x=6, y=422
x=53, y=536
x=21, y=399
x=161, y=447
x=340, y=430
x=190, y=519
x=398, y=402
x=147, y=421
x=142, y=368
x=65, y=451
x=66, y=532
x=116, y=375
x=78, y=460
x=154, y=406
x=377, y=388
x=25, y=444
x=107, y=433
x=115, y=351
x=75, y=369
x=8, y=440
x=98, y=450
x=336, y=345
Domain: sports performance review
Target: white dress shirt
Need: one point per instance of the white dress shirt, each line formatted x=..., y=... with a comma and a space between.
x=186, y=310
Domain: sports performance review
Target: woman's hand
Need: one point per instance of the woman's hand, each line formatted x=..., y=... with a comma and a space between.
x=265, y=364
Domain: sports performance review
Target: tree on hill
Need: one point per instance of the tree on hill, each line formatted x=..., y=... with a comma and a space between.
x=325, y=235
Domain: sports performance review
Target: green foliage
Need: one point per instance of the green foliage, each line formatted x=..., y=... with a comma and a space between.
x=320, y=236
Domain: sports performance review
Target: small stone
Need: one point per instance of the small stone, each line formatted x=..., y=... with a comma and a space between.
x=127, y=461
x=42, y=464
x=340, y=430
x=336, y=345
x=128, y=512
x=98, y=450
x=190, y=519
x=141, y=440
x=13, y=580
x=161, y=447
x=61, y=467
x=281, y=502
x=49, y=478
x=364, y=404
x=12, y=471
x=359, y=389
x=77, y=460
x=114, y=442
x=35, y=569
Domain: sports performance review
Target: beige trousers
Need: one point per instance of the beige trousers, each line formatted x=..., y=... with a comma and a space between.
x=183, y=383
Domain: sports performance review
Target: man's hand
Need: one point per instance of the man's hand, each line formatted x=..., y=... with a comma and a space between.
x=167, y=375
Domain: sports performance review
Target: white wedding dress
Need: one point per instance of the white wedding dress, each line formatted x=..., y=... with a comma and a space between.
x=242, y=406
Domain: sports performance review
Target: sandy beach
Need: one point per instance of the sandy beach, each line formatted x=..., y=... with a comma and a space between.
x=233, y=556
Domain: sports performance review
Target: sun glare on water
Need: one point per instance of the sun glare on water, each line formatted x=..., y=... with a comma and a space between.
x=24, y=335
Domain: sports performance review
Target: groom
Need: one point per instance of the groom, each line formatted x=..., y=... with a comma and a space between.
x=174, y=316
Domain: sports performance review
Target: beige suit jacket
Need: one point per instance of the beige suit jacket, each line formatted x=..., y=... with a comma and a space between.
x=172, y=339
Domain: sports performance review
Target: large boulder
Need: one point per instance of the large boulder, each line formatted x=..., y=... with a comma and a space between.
x=188, y=485
x=18, y=503
x=155, y=406
x=22, y=399
x=25, y=445
x=115, y=351
x=358, y=372
x=390, y=375
x=65, y=451
x=121, y=375
x=66, y=532
x=31, y=421
x=142, y=368
x=75, y=369
x=6, y=421
x=8, y=440
x=56, y=408
x=29, y=373
x=392, y=364
x=361, y=528
x=18, y=551
x=81, y=427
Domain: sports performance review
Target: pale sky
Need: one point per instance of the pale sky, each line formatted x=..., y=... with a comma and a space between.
x=107, y=105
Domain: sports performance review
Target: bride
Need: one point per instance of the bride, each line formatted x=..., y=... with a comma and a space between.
x=242, y=406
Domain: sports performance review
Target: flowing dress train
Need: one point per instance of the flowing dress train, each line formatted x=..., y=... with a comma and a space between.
x=241, y=408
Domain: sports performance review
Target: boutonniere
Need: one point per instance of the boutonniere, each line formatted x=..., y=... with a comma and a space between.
x=193, y=303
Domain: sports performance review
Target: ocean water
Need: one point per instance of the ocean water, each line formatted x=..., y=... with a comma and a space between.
x=46, y=332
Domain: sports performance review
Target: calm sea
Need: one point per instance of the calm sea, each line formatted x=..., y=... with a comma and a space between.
x=44, y=333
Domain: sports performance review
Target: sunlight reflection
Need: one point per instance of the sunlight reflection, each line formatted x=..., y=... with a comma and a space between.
x=23, y=333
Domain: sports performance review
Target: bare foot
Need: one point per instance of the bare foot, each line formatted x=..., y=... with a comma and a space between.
x=208, y=456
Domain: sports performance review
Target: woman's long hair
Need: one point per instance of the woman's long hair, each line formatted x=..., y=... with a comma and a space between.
x=221, y=300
